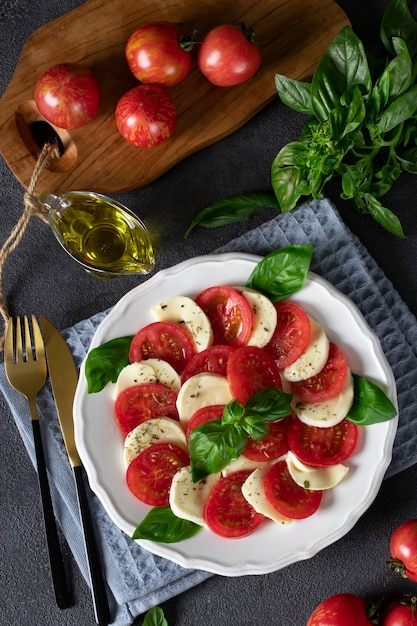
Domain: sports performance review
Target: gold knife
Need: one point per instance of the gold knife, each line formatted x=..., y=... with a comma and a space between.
x=64, y=379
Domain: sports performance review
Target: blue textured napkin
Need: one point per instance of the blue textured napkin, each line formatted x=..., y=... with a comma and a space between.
x=138, y=580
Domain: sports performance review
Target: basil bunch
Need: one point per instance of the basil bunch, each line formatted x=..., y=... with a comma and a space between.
x=362, y=127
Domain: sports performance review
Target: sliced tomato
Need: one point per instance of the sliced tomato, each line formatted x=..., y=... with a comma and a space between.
x=249, y=370
x=149, y=476
x=291, y=335
x=328, y=382
x=272, y=446
x=213, y=360
x=227, y=512
x=230, y=315
x=203, y=415
x=288, y=498
x=138, y=403
x=320, y=447
x=163, y=340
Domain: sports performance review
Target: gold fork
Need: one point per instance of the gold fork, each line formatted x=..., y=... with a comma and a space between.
x=25, y=366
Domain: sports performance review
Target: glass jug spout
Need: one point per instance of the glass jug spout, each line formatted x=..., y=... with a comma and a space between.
x=101, y=234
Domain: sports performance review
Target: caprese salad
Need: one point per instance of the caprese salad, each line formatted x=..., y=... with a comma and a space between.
x=234, y=409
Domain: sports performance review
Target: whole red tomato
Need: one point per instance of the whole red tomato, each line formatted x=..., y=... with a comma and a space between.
x=403, y=549
x=67, y=95
x=159, y=53
x=343, y=609
x=228, y=55
x=146, y=116
x=401, y=613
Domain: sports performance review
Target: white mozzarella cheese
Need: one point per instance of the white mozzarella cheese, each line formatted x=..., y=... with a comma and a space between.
x=328, y=413
x=199, y=391
x=264, y=317
x=183, y=310
x=154, y=430
x=315, y=478
x=147, y=371
x=253, y=491
x=314, y=357
x=187, y=499
x=241, y=463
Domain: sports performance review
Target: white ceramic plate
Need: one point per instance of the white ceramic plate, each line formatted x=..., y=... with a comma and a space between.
x=272, y=546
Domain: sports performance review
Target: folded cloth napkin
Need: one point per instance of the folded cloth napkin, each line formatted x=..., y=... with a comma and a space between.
x=137, y=580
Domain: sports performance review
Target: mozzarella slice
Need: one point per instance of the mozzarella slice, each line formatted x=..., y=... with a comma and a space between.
x=253, y=491
x=264, y=317
x=315, y=478
x=147, y=371
x=314, y=357
x=154, y=430
x=241, y=463
x=187, y=499
x=185, y=311
x=328, y=413
x=199, y=391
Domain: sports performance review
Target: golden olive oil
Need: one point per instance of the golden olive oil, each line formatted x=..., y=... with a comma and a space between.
x=100, y=233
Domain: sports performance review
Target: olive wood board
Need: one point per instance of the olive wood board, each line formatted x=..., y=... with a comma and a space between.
x=292, y=35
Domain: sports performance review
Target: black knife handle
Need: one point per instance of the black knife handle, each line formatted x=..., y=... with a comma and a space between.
x=98, y=590
x=62, y=594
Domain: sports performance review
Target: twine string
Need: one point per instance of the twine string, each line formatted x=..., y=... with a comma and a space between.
x=31, y=207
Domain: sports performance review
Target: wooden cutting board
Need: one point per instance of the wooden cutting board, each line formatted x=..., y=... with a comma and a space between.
x=292, y=34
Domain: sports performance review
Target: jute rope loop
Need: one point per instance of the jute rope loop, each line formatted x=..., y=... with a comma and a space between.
x=31, y=207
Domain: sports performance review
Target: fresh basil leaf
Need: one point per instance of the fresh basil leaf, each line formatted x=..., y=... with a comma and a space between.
x=289, y=175
x=408, y=160
x=212, y=446
x=160, y=524
x=398, y=21
x=283, y=272
x=155, y=617
x=384, y=216
x=233, y=412
x=273, y=404
x=399, y=111
x=104, y=363
x=294, y=93
x=343, y=65
x=399, y=70
x=233, y=209
x=370, y=405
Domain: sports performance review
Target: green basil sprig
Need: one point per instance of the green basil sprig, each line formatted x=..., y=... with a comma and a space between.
x=160, y=524
x=370, y=403
x=104, y=363
x=213, y=445
x=282, y=272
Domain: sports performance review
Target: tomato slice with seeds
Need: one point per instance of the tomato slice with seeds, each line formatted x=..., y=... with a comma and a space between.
x=328, y=382
x=272, y=446
x=163, y=340
x=213, y=360
x=320, y=447
x=149, y=476
x=249, y=370
x=138, y=403
x=230, y=314
x=288, y=498
x=203, y=415
x=291, y=335
x=227, y=512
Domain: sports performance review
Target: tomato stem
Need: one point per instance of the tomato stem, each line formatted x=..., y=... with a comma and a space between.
x=187, y=42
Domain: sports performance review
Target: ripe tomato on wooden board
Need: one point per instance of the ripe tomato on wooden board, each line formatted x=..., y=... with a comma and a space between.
x=403, y=549
x=67, y=95
x=159, y=53
x=228, y=55
x=343, y=609
x=146, y=116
